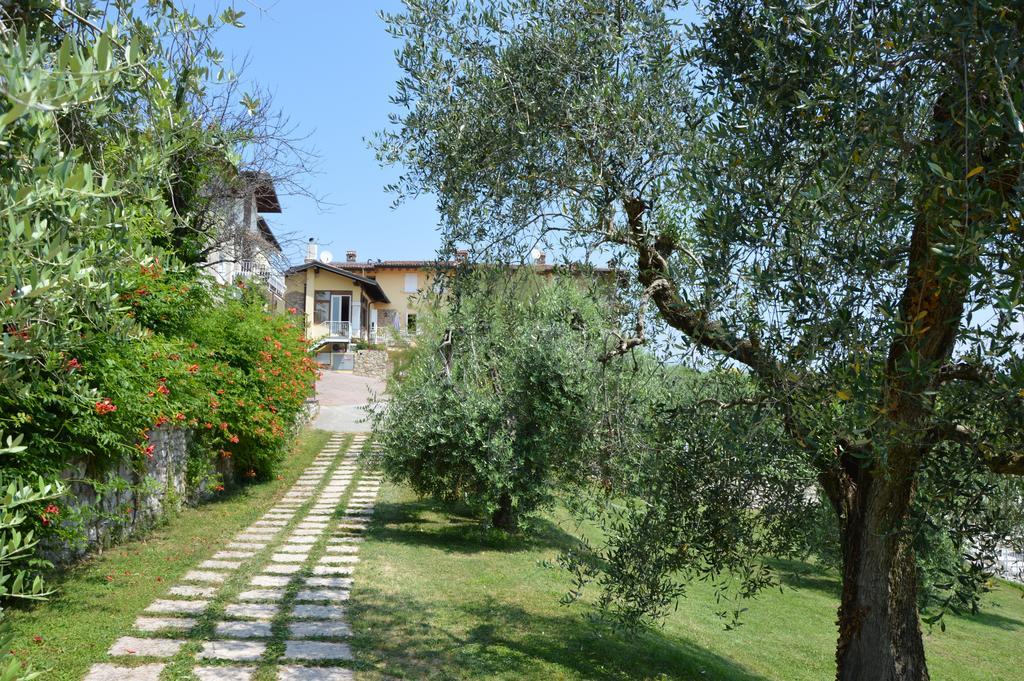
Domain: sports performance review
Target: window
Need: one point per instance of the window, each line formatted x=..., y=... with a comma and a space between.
x=410, y=323
x=331, y=306
x=412, y=283
x=321, y=307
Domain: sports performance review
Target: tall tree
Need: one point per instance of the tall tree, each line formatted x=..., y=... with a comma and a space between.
x=827, y=195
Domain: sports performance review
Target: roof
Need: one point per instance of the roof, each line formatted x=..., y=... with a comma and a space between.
x=263, y=187
x=433, y=264
x=371, y=286
x=266, y=233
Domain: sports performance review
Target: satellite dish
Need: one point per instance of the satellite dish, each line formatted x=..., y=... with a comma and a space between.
x=326, y=257
x=535, y=254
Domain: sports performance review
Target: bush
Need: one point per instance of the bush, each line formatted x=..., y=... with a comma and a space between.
x=498, y=398
x=19, y=578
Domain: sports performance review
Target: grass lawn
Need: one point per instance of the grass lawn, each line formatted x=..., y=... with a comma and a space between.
x=436, y=598
x=99, y=599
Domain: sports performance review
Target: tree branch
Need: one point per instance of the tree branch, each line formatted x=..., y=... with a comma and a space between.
x=680, y=315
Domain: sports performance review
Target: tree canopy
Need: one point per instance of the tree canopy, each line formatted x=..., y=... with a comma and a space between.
x=825, y=195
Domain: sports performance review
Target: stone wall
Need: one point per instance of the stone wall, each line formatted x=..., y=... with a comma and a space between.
x=372, y=363
x=108, y=506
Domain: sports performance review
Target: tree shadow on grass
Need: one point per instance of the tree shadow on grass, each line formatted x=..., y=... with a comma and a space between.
x=989, y=618
x=410, y=523
x=415, y=639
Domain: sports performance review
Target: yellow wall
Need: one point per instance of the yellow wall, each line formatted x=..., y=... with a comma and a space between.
x=313, y=280
x=392, y=280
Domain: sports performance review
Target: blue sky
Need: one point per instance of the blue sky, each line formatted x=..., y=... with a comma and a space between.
x=330, y=66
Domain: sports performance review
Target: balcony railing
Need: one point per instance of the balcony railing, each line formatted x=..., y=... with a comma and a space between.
x=336, y=329
x=255, y=269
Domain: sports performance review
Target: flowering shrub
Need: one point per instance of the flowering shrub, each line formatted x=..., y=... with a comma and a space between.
x=213, y=361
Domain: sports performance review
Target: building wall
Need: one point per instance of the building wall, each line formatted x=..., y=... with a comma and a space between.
x=392, y=280
x=300, y=290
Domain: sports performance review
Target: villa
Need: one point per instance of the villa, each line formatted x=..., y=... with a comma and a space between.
x=351, y=302
x=373, y=302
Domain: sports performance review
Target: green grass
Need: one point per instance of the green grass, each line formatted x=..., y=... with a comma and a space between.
x=100, y=598
x=436, y=597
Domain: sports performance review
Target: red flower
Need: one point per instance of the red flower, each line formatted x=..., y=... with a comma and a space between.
x=37, y=638
x=163, y=390
x=105, y=406
x=234, y=438
x=292, y=310
x=53, y=509
x=161, y=420
x=149, y=450
x=218, y=488
x=73, y=364
x=193, y=368
x=223, y=425
x=179, y=416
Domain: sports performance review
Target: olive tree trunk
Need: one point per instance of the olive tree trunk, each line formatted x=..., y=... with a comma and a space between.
x=504, y=517
x=879, y=628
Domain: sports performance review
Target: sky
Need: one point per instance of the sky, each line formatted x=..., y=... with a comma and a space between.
x=330, y=65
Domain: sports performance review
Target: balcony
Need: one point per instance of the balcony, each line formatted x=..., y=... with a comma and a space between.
x=264, y=272
x=339, y=331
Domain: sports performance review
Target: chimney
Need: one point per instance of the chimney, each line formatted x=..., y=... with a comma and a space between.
x=461, y=256
x=350, y=256
x=311, y=250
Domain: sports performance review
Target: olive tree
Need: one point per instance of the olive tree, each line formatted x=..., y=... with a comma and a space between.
x=825, y=195
x=497, y=401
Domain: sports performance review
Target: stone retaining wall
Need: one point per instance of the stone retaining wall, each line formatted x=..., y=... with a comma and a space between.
x=112, y=505
x=372, y=363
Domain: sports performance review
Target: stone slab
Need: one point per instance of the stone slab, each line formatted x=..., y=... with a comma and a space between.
x=205, y=576
x=233, y=555
x=270, y=580
x=239, y=651
x=220, y=565
x=153, y=624
x=146, y=647
x=251, y=611
x=224, y=673
x=335, y=560
x=240, y=629
x=316, y=650
x=261, y=595
x=289, y=557
x=329, y=582
x=301, y=540
x=328, y=570
x=283, y=568
x=164, y=605
x=247, y=545
x=304, y=611
x=113, y=672
x=317, y=595
x=192, y=591
x=342, y=548
x=325, y=629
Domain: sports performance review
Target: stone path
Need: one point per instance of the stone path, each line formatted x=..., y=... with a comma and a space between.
x=274, y=597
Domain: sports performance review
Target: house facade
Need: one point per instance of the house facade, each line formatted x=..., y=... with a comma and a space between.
x=345, y=303
x=377, y=302
x=244, y=246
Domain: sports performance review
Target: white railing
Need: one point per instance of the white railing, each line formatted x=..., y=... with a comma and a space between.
x=336, y=329
x=255, y=269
